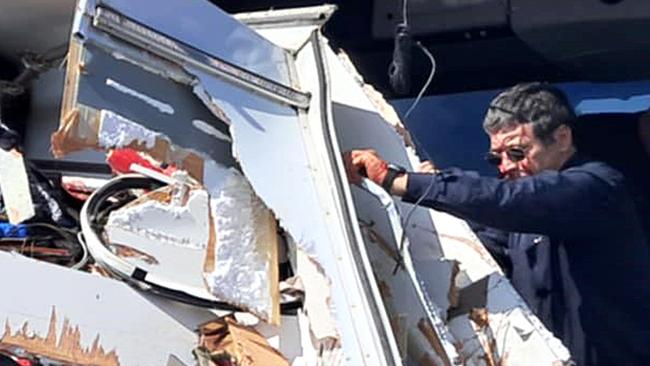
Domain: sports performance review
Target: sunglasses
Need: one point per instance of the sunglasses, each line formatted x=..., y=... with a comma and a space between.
x=515, y=154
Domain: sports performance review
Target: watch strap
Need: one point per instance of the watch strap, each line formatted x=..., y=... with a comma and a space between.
x=393, y=172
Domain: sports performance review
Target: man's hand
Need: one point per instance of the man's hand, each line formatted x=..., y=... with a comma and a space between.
x=427, y=167
x=359, y=163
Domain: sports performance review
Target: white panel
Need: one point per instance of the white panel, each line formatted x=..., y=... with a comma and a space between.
x=14, y=184
x=204, y=26
x=110, y=310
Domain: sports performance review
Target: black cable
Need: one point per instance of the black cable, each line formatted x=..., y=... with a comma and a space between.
x=426, y=156
x=97, y=207
x=406, y=221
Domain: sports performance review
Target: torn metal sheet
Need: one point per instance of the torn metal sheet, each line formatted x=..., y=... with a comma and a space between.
x=43, y=317
x=16, y=196
x=241, y=265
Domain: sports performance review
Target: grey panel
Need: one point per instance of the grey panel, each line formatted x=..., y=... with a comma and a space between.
x=95, y=92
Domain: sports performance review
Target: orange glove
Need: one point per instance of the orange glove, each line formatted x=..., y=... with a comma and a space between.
x=359, y=163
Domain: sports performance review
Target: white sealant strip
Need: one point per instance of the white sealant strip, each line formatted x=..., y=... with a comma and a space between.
x=207, y=128
x=162, y=107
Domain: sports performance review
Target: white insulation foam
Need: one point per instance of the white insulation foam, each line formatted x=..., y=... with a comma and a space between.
x=246, y=242
x=184, y=226
x=116, y=131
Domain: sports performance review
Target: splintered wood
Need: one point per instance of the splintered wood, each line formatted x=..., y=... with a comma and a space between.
x=225, y=342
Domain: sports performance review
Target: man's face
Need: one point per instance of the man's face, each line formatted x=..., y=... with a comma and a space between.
x=522, y=154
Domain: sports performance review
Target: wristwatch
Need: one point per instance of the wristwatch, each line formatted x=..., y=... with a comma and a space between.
x=393, y=172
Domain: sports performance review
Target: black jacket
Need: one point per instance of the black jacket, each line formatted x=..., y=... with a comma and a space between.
x=576, y=248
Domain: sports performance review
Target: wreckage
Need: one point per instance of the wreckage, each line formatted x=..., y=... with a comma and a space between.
x=229, y=233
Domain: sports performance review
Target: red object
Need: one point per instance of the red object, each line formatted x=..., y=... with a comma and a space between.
x=120, y=161
x=24, y=362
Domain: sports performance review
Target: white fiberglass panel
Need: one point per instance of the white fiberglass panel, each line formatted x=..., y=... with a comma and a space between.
x=42, y=302
x=269, y=142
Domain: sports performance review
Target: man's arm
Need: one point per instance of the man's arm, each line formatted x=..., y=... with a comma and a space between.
x=577, y=201
x=564, y=203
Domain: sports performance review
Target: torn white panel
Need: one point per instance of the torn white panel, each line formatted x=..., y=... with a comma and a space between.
x=403, y=292
x=521, y=335
x=431, y=313
x=261, y=128
x=293, y=340
x=381, y=105
x=317, y=296
x=41, y=303
x=175, y=237
x=184, y=226
x=14, y=184
x=495, y=327
x=459, y=242
x=162, y=107
x=245, y=259
x=207, y=128
x=116, y=132
x=360, y=125
x=343, y=258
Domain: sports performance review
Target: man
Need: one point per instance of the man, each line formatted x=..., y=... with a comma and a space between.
x=575, y=243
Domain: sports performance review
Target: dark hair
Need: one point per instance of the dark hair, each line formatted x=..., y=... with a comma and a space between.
x=541, y=104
